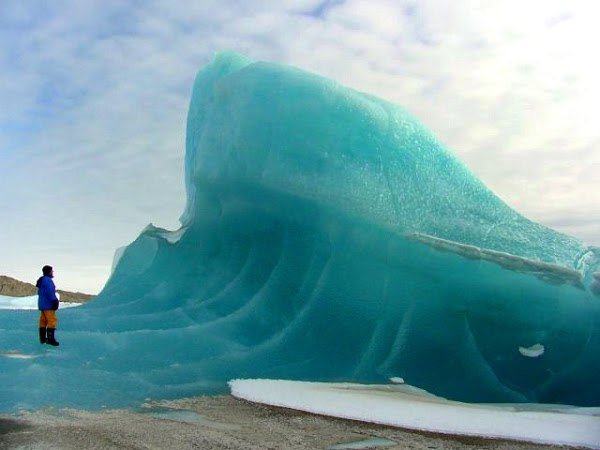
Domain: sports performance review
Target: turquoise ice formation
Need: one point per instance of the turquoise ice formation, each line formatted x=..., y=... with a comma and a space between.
x=327, y=236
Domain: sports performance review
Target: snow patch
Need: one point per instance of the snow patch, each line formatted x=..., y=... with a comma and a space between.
x=27, y=302
x=405, y=406
x=172, y=237
x=397, y=380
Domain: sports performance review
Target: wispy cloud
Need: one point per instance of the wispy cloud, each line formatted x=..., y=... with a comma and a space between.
x=94, y=96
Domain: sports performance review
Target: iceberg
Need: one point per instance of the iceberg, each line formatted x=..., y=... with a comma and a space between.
x=327, y=236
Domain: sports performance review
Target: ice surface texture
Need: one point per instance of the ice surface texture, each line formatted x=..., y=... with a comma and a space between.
x=327, y=236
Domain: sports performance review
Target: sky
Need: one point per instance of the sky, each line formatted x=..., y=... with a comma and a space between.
x=94, y=97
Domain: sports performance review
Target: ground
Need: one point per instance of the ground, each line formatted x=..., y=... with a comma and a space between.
x=221, y=422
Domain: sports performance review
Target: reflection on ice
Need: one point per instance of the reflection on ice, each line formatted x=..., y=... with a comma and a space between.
x=18, y=355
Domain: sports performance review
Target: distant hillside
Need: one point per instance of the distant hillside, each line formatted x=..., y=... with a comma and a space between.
x=15, y=288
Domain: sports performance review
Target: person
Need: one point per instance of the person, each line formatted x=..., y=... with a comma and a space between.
x=47, y=304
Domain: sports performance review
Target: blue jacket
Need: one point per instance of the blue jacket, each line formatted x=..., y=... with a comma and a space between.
x=46, y=294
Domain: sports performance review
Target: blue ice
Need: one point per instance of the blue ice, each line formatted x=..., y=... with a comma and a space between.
x=327, y=236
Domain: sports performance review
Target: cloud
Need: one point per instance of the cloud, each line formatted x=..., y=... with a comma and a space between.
x=95, y=95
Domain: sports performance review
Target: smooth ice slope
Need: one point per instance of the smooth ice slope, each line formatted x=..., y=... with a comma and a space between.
x=327, y=236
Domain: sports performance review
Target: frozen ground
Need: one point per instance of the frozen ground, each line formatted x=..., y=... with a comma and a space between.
x=221, y=422
x=409, y=407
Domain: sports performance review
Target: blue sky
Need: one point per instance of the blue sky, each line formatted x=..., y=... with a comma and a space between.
x=94, y=96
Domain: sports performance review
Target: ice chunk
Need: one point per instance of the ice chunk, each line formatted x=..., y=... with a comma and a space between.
x=532, y=352
x=397, y=380
x=327, y=235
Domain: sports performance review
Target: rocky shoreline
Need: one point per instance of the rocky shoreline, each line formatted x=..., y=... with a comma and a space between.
x=12, y=287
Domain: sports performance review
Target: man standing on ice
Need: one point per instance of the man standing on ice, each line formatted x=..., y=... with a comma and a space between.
x=47, y=304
